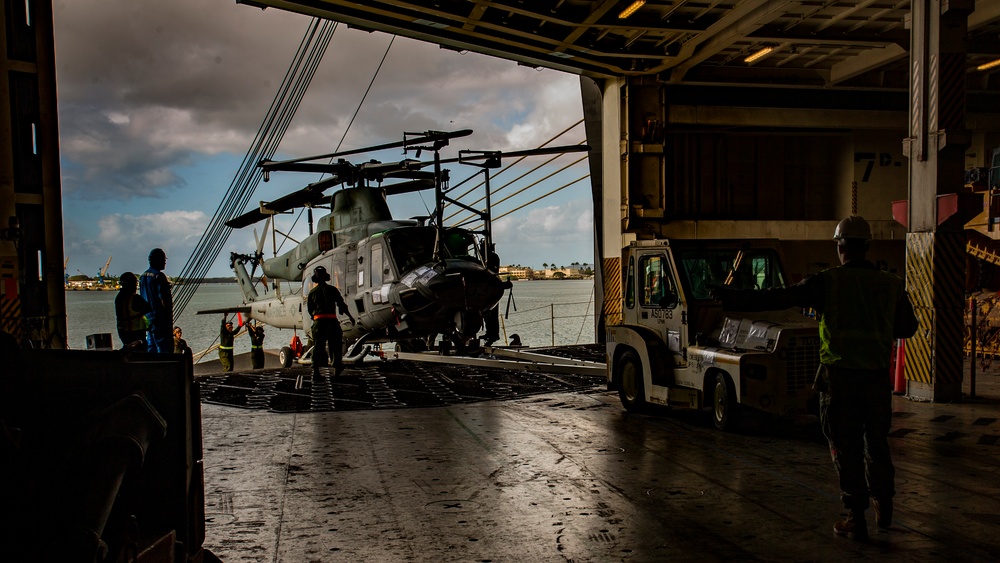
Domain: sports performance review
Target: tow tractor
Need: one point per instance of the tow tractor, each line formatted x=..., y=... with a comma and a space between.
x=676, y=347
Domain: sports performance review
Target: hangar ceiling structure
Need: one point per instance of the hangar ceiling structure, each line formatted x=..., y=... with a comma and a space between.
x=805, y=43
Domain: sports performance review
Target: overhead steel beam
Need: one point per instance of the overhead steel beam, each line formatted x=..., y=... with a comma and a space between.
x=865, y=62
x=785, y=117
x=737, y=25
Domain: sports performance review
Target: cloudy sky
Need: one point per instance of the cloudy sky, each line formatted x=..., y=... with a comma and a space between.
x=160, y=101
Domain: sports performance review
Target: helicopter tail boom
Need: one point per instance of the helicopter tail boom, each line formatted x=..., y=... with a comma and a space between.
x=238, y=263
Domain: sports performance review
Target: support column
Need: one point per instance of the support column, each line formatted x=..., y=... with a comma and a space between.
x=935, y=248
x=602, y=112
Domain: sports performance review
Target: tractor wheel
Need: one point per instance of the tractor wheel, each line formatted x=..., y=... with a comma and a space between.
x=725, y=407
x=630, y=386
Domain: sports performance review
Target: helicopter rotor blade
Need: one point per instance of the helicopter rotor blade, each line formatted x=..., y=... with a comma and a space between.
x=310, y=195
x=467, y=155
x=258, y=257
x=260, y=243
x=409, y=187
x=427, y=136
x=533, y=152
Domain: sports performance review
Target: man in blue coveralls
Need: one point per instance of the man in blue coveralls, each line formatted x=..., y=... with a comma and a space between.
x=155, y=289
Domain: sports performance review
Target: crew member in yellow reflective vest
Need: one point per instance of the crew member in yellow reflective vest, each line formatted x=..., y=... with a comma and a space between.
x=256, y=332
x=226, y=337
x=860, y=310
x=130, y=312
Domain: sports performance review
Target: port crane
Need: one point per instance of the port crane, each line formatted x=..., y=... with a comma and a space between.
x=103, y=272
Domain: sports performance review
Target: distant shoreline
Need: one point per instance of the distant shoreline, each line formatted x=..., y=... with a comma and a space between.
x=109, y=287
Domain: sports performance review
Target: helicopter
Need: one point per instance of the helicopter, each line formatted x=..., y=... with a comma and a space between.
x=404, y=281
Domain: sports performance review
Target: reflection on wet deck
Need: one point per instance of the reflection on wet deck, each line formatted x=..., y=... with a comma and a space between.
x=568, y=476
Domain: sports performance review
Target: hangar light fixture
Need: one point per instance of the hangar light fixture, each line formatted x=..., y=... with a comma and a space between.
x=767, y=49
x=989, y=65
x=631, y=9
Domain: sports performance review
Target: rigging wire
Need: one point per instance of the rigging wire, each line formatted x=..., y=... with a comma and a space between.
x=520, y=207
x=347, y=130
x=521, y=177
x=244, y=184
x=294, y=85
x=512, y=164
x=364, y=97
x=533, y=184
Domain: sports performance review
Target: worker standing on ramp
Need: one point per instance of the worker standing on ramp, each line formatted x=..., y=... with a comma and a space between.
x=226, y=337
x=256, y=332
x=324, y=301
x=861, y=309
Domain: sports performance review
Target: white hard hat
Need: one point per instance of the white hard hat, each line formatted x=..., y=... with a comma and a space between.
x=855, y=227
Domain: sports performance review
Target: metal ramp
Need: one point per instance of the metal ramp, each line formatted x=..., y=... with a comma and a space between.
x=516, y=359
x=384, y=379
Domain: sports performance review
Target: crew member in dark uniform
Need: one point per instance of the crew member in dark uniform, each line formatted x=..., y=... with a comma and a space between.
x=861, y=310
x=130, y=312
x=180, y=345
x=226, y=337
x=491, y=318
x=323, y=303
x=256, y=332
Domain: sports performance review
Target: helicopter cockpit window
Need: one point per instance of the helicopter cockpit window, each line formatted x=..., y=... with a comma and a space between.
x=460, y=244
x=376, y=265
x=735, y=268
x=387, y=275
x=411, y=247
x=339, y=265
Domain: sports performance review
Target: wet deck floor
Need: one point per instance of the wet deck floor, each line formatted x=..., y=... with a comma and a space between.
x=568, y=476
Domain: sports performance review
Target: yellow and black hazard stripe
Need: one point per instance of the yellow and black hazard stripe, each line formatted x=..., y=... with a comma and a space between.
x=935, y=277
x=612, y=291
x=10, y=316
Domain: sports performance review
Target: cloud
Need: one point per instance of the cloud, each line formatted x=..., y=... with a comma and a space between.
x=545, y=234
x=154, y=95
x=145, y=87
x=169, y=229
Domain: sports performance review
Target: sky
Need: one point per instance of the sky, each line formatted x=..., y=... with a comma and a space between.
x=160, y=101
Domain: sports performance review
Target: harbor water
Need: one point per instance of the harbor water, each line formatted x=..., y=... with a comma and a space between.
x=542, y=313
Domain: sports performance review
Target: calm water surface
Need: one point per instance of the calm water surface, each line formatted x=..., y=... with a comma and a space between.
x=535, y=308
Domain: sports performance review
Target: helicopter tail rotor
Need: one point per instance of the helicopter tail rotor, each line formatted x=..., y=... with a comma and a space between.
x=258, y=256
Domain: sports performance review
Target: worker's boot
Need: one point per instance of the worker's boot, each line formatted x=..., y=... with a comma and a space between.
x=883, y=513
x=854, y=527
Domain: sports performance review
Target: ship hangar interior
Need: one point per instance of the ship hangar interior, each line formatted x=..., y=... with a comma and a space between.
x=707, y=119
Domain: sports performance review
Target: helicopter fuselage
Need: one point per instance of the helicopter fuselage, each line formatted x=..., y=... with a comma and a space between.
x=394, y=287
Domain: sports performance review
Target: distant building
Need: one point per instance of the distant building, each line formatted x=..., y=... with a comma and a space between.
x=516, y=272
x=572, y=272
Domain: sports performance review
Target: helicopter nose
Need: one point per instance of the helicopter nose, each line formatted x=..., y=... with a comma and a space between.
x=467, y=288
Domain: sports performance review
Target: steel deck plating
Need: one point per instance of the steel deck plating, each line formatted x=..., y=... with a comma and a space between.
x=568, y=476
